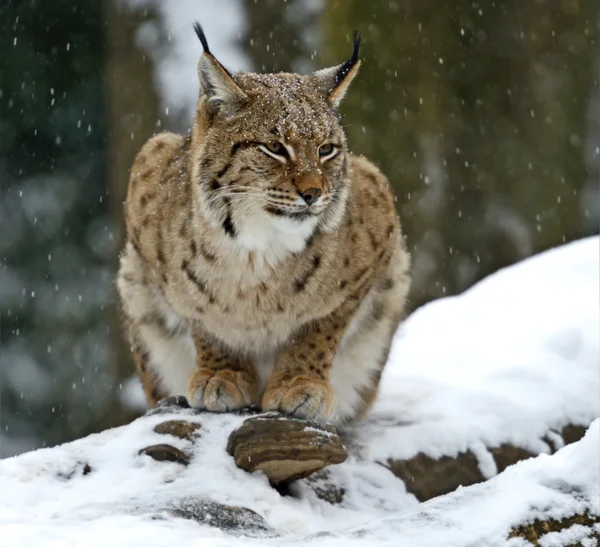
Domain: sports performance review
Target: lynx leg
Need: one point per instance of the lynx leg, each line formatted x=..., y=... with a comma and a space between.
x=364, y=350
x=300, y=382
x=149, y=380
x=221, y=382
x=161, y=343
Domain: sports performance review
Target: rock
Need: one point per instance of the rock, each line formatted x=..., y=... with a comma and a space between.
x=166, y=453
x=283, y=448
x=330, y=493
x=536, y=530
x=169, y=405
x=507, y=454
x=229, y=518
x=324, y=487
x=82, y=468
x=179, y=428
x=427, y=478
x=573, y=433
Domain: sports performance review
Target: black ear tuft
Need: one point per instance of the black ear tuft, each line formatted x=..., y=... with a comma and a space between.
x=347, y=66
x=202, y=37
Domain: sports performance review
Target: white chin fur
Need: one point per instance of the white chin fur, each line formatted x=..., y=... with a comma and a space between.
x=289, y=226
x=275, y=236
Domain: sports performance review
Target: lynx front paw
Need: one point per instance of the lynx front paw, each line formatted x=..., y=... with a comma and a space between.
x=301, y=397
x=221, y=390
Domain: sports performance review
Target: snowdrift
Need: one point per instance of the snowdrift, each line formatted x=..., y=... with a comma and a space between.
x=508, y=371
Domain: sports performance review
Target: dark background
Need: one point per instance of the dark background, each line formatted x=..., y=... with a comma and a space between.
x=485, y=116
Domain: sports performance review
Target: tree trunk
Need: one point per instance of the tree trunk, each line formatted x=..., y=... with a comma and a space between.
x=133, y=118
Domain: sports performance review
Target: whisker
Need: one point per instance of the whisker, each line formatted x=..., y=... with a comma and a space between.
x=239, y=186
x=265, y=200
x=229, y=194
x=248, y=190
x=268, y=197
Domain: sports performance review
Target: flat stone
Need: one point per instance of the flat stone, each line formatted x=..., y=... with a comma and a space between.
x=285, y=449
x=166, y=453
x=179, y=428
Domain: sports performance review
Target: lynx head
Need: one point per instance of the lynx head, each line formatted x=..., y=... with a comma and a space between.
x=269, y=153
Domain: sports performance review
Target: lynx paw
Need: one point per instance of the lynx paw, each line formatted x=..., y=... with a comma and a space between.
x=222, y=390
x=301, y=397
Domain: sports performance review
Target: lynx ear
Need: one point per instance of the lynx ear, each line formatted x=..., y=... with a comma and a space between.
x=216, y=83
x=337, y=79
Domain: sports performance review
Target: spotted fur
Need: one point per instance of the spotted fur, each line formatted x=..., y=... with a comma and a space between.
x=264, y=263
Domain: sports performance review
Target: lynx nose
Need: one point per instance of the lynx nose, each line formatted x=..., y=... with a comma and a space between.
x=311, y=195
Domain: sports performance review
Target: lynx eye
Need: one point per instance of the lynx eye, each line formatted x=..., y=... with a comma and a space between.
x=327, y=150
x=276, y=150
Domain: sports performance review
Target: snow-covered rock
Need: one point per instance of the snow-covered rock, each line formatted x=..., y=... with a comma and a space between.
x=507, y=370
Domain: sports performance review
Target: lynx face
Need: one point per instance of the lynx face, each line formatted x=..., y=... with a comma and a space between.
x=274, y=154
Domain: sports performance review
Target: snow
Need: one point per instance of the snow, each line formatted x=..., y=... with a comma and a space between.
x=511, y=359
x=523, y=342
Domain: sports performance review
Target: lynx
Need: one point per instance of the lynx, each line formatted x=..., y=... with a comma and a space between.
x=264, y=263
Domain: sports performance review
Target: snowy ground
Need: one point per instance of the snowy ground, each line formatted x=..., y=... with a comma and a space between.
x=513, y=358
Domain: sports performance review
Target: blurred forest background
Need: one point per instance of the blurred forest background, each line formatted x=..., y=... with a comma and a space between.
x=485, y=116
